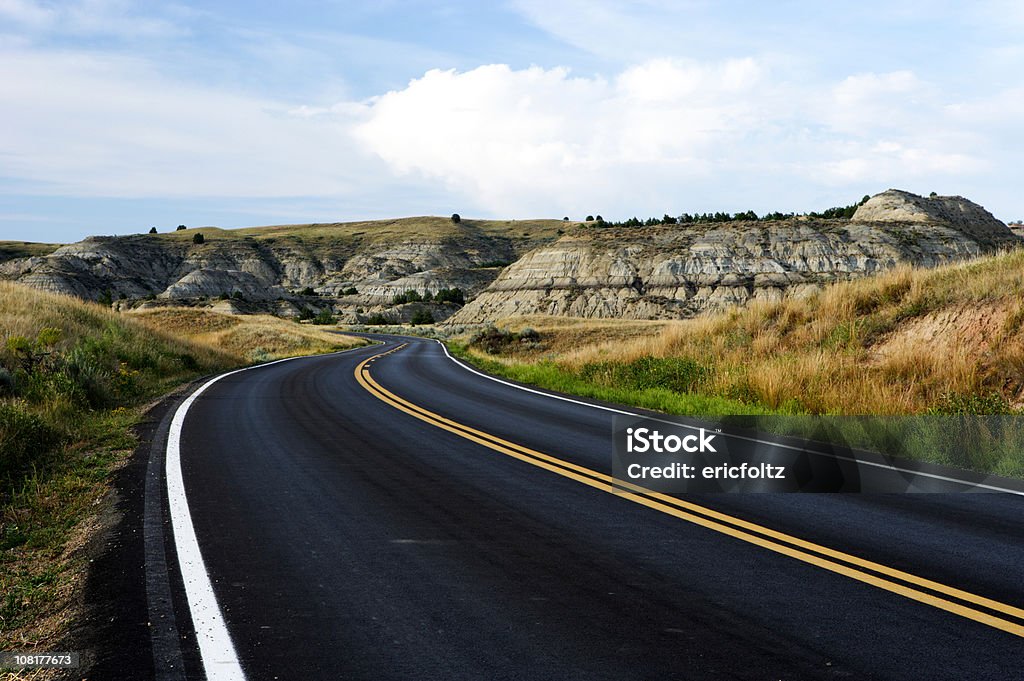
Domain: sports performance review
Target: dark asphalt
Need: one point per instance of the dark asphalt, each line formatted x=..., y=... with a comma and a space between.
x=348, y=540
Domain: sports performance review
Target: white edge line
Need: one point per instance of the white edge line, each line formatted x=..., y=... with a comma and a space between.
x=935, y=476
x=220, y=661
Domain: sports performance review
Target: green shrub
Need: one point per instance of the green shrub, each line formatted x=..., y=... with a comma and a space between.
x=325, y=317
x=450, y=295
x=966, y=404
x=24, y=438
x=188, y=362
x=407, y=297
x=493, y=340
x=422, y=316
x=8, y=386
x=84, y=378
x=33, y=354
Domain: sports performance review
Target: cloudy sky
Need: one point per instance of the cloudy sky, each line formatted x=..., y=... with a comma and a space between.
x=118, y=115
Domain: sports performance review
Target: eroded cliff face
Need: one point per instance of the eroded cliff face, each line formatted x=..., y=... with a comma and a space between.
x=674, y=271
x=271, y=269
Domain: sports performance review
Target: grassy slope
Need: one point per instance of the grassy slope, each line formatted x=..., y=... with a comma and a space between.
x=662, y=386
x=9, y=250
x=61, y=435
x=69, y=427
x=908, y=341
x=426, y=227
x=254, y=338
x=942, y=341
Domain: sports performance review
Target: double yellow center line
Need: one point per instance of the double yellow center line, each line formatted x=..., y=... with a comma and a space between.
x=957, y=601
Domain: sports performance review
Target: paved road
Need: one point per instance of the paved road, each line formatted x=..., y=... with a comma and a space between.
x=420, y=521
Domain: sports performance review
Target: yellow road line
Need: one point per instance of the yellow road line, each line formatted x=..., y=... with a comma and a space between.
x=715, y=520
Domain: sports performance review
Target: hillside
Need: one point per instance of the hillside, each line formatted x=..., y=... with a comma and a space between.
x=73, y=377
x=505, y=268
x=908, y=341
x=252, y=338
x=269, y=268
x=669, y=272
x=12, y=250
x=74, y=381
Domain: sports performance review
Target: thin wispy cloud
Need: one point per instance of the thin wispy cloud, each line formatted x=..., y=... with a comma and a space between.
x=94, y=18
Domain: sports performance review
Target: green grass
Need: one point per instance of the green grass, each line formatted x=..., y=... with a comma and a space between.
x=74, y=381
x=41, y=517
x=956, y=432
x=75, y=378
x=648, y=385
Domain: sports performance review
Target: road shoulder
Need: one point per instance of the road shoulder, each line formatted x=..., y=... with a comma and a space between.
x=115, y=633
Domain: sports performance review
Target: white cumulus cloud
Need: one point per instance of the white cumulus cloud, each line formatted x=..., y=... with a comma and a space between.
x=668, y=134
x=535, y=137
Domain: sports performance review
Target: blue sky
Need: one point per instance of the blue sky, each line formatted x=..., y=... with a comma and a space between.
x=116, y=115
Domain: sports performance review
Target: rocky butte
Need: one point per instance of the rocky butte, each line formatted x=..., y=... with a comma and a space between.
x=508, y=268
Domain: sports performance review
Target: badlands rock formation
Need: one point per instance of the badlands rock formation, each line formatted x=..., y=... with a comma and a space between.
x=673, y=271
x=666, y=271
x=268, y=270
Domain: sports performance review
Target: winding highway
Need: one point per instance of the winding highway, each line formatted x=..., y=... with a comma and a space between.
x=388, y=513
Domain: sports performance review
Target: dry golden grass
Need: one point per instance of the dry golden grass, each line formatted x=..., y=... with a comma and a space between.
x=249, y=337
x=906, y=341
x=565, y=334
x=25, y=311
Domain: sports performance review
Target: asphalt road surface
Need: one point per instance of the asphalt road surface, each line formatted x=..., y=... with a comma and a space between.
x=386, y=513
